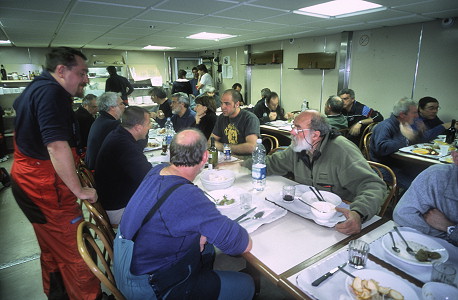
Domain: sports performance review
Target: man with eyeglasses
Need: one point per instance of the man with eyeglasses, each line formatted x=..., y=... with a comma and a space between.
x=111, y=108
x=183, y=116
x=358, y=115
x=428, y=107
x=320, y=157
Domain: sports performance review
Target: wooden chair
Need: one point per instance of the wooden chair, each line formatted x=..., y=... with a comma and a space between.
x=100, y=217
x=100, y=267
x=269, y=141
x=366, y=145
x=344, y=131
x=391, y=183
x=280, y=148
x=366, y=130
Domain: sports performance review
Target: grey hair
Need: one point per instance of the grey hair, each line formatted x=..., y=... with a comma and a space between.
x=335, y=103
x=133, y=115
x=188, y=155
x=347, y=91
x=209, y=89
x=319, y=123
x=182, y=98
x=107, y=100
x=87, y=99
x=403, y=105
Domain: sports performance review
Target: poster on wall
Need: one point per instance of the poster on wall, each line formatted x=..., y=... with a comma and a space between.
x=226, y=60
x=227, y=72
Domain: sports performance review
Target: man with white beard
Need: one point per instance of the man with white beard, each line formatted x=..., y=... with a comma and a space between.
x=322, y=158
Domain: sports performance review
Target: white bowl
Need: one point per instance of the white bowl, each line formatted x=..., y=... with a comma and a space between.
x=332, y=198
x=439, y=291
x=326, y=210
x=217, y=179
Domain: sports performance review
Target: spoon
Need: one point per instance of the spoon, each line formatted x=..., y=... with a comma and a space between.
x=395, y=249
x=256, y=216
x=408, y=249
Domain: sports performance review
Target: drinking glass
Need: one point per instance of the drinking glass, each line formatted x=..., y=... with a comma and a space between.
x=288, y=192
x=245, y=201
x=357, y=254
x=443, y=272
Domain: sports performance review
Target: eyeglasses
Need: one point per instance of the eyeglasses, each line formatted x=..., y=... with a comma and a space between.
x=432, y=108
x=297, y=130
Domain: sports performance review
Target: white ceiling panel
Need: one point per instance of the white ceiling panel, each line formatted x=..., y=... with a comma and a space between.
x=126, y=23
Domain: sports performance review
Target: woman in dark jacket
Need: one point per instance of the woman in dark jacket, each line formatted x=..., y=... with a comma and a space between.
x=205, y=115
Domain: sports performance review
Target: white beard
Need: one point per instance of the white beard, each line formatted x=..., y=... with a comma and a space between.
x=302, y=144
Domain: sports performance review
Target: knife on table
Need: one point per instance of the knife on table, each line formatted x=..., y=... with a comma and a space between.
x=327, y=275
x=244, y=215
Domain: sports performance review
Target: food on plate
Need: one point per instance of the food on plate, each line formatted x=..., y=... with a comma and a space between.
x=216, y=177
x=153, y=145
x=425, y=151
x=225, y=201
x=425, y=255
x=371, y=290
x=162, y=131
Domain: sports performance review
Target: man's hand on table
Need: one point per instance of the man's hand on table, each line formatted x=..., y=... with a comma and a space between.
x=234, y=166
x=353, y=223
x=436, y=219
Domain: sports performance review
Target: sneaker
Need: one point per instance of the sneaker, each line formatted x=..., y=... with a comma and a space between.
x=5, y=177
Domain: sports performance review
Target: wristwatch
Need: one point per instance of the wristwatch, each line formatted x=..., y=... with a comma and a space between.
x=450, y=229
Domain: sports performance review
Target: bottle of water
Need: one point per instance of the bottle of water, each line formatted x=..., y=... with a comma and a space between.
x=169, y=131
x=259, y=169
x=305, y=105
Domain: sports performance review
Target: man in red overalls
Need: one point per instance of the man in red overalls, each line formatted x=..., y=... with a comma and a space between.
x=44, y=179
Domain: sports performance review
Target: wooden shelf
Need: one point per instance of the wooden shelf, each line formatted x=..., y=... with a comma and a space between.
x=266, y=58
x=318, y=60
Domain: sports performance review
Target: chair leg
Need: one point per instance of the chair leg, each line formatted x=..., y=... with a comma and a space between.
x=255, y=274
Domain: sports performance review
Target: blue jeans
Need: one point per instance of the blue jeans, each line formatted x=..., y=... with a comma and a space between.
x=235, y=285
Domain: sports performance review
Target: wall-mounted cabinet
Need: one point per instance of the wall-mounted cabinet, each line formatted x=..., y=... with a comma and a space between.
x=317, y=60
x=267, y=57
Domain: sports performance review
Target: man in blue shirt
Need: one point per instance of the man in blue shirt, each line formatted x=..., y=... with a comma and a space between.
x=169, y=245
x=183, y=116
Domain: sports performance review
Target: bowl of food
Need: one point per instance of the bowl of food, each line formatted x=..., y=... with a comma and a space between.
x=217, y=179
x=438, y=290
x=323, y=211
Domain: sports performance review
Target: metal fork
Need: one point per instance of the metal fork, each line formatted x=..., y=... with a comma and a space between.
x=408, y=249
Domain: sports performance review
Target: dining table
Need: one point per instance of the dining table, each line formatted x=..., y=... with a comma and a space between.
x=291, y=249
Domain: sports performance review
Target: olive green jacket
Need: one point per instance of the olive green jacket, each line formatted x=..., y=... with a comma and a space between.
x=341, y=169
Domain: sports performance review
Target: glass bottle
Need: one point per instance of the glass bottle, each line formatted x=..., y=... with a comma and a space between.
x=212, y=154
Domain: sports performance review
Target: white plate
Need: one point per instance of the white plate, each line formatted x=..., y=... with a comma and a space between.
x=384, y=279
x=446, y=159
x=231, y=193
x=416, y=241
x=409, y=149
x=310, y=197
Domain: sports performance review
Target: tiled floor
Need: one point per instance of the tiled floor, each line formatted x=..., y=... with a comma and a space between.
x=20, y=272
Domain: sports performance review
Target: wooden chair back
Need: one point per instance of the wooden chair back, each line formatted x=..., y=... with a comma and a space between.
x=366, y=145
x=269, y=141
x=101, y=267
x=391, y=184
x=99, y=216
x=280, y=148
x=366, y=130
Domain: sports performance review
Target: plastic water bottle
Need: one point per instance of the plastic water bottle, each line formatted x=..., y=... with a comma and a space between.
x=259, y=169
x=305, y=105
x=169, y=131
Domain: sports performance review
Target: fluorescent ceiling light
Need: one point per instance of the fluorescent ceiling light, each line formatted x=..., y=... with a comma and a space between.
x=210, y=36
x=5, y=42
x=340, y=9
x=149, y=47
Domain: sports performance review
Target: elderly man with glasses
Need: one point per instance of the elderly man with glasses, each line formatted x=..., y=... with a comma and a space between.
x=322, y=158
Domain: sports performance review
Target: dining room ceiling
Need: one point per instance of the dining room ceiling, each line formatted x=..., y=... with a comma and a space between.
x=134, y=24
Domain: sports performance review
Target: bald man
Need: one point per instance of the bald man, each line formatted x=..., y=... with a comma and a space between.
x=176, y=234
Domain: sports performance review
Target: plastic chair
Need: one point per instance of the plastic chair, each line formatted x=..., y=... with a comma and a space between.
x=391, y=184
x=87, y=245
x=269, y=141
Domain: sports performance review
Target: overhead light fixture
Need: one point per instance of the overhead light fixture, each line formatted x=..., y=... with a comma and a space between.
x=340, y=9
x=149, y=47
x=5, y=42
x=210, y=36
